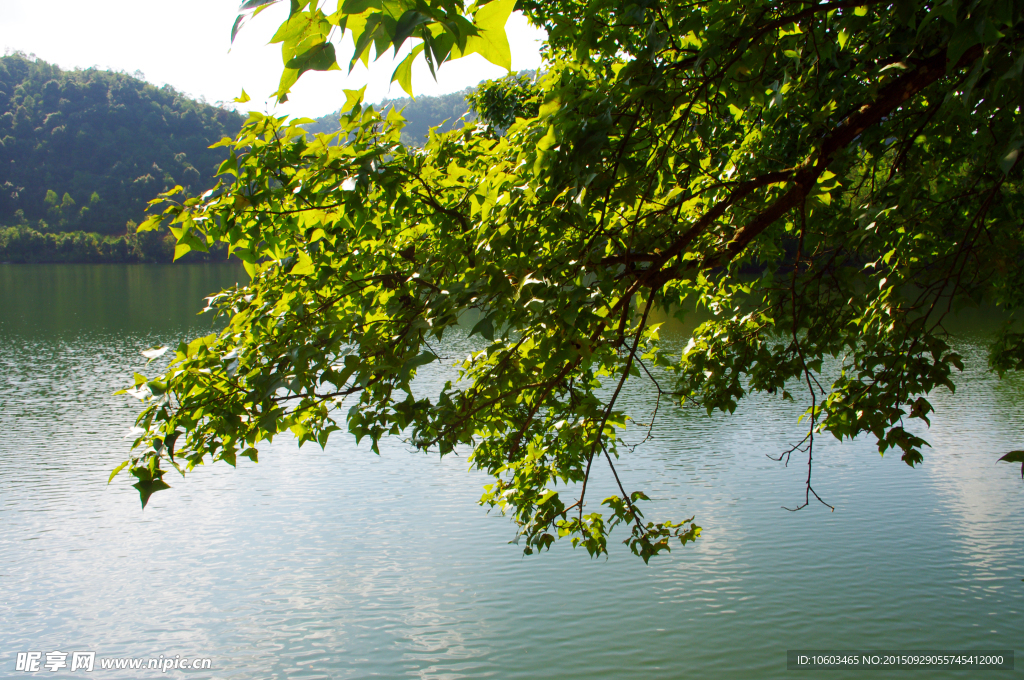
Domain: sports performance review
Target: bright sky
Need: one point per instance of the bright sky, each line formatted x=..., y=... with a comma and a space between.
x=185, y=43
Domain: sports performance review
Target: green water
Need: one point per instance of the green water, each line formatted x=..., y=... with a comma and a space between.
x=342, y=564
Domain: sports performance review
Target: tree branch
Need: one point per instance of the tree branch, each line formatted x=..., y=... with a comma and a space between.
x=891, y=97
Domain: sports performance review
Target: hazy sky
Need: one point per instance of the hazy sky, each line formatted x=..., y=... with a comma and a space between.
x=185, y=43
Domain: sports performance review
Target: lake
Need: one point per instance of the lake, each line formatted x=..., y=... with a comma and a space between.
x=338, y=563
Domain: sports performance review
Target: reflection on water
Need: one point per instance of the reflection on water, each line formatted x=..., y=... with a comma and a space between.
x=342, y=564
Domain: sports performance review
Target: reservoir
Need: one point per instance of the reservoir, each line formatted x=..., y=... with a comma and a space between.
x=339, y=563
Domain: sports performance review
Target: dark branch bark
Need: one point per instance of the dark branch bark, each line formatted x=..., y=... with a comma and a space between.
x=891, y=97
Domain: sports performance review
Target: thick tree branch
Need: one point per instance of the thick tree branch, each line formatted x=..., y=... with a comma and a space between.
x=891, y=97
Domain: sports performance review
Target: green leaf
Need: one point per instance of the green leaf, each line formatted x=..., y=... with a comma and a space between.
x=188, y=239
x=548, y=495
x=964, y=38
x=409, y=366
x=905, y=10
x=1015, y=457
x=229, y=165
x=116, y=470
x=247, y=6
x=491, y=43
x=148, y=487
x=550, y=106
x=157, y=387
x=320, y=57
x=484, y=327
x=237, y=26
x=353, y=98
x=407, y=23
x=360, y=6
x=403, y=73
x=298, y=25
x=253, y=4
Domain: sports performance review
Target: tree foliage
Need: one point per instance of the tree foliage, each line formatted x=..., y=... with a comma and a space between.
x=503, y=100
x=85, y=149
x=830, y=179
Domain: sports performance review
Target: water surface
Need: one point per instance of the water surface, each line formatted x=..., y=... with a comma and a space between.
x=338, y=563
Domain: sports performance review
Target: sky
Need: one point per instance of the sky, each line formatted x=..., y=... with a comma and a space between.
x=186, y=44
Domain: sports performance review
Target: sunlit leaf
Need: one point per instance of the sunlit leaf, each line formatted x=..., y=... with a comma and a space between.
x=154, y=352
x=490, y=42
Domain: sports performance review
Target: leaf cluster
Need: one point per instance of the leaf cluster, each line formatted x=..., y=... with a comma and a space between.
x=828, y=180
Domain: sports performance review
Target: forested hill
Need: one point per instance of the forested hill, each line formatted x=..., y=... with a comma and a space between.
x=86, y=149
x=421, y=114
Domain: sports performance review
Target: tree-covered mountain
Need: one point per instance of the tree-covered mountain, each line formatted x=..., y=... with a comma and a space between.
x=446, y=111
x=86, y=149
x=421, y=114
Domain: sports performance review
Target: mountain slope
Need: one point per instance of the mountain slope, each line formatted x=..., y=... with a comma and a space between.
x=86, y=149
x=420, y=114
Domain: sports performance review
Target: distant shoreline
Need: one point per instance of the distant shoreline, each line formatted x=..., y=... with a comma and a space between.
x=179, y=263
x=25, y=245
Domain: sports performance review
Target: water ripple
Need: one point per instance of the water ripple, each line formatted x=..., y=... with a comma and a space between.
x=338, y=563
